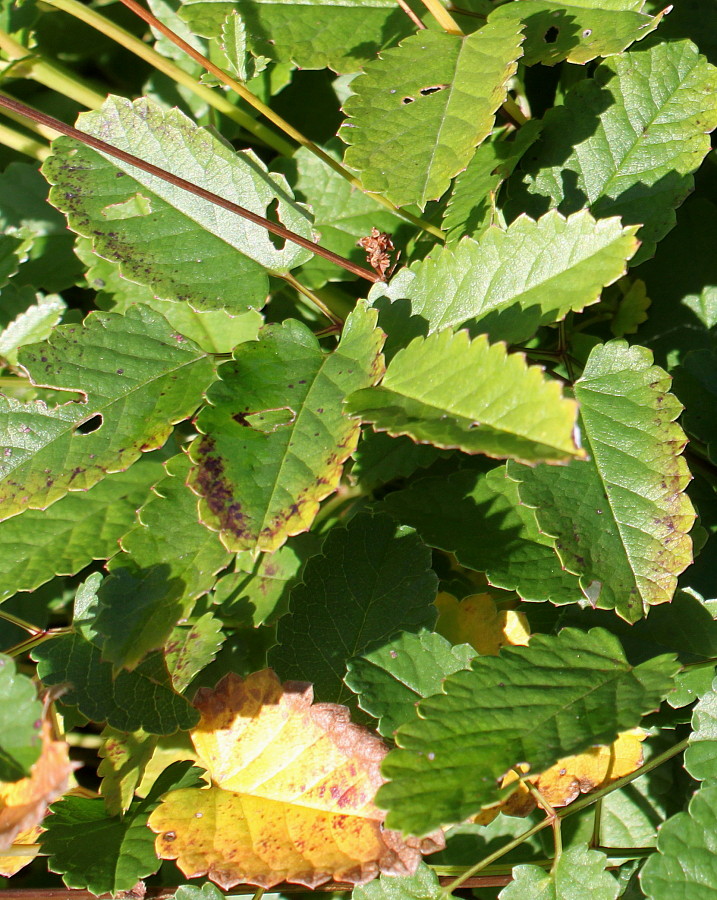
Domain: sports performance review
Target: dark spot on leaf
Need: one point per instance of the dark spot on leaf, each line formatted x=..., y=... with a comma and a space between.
x=551, y=35
x=89, y=425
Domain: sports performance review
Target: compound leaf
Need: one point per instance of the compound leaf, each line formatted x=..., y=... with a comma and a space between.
x=391, y=679
x=511, y=282
x=139, y=378
x=627, y=140
x=620, y=519
x=452, y=392
x=380, y=582
x=291, y=795
x=532, y=705
x=418, y=112
x=275, y=439
x=183, y=247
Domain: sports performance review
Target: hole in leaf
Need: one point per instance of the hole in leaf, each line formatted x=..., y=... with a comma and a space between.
x=551, y=35
x=272, y=214
x=432, y=90
x=407, y=100
x=89, y=425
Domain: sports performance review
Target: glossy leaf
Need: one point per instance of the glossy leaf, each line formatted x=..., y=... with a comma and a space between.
x=620, y=519
x=450, y=391
x=183, y=247
x=533, y=705
x=291, y=796
x=418, y=112
x=391, y=679
x=381, y=582
x=78, y=528
x=127, y=367
x=511, y=282
x=627, y=140
x=261, y=483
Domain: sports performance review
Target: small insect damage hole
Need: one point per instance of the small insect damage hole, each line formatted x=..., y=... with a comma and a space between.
x=432, y=90
x=407, y=100
x=551, y=35
x=90, y=425
x=272, y=214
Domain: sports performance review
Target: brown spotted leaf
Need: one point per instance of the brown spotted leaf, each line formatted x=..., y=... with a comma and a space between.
x=275, y=438
x=291, y=797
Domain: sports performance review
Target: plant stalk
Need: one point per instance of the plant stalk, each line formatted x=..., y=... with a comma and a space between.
x=172, y=70
x=268, y=112
x=49, y=74
x=110, y=150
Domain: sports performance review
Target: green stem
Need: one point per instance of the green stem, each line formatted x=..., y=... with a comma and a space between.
x=23, y=143
x=127, y=40
x=268, y=112
x=49, y=74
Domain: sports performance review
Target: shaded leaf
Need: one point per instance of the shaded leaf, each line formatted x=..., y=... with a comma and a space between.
x=128, y=368
x=313, y=35
x=532, y=705
x=557, y=30
x=627, y=140
x=417, y=113
x=620, y=519
x=479, y=517
x=260, y=485
x=476, y=620
x=579, y=870
x=391, y=679
x=79, y=527
x=159, y=233
x=143, y=698
x=376, y=579
x=292, y=793
x=512, y=282
x=23, y=803
x=685, y=864
x=191, y=648
x=452, y=392
x=20, y=722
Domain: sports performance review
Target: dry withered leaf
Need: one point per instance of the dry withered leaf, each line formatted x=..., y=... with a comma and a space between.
x=23, y=803
x=476, y=620
x=292, y=793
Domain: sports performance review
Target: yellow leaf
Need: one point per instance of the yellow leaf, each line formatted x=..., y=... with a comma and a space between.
x=476, y=620
x=23, y=803
x=291, y=796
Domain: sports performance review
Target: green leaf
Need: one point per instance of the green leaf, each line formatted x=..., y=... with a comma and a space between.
x=577, y=31
x=143, y=698
x=313, y=34
x=512, y=282
x=627, y=140
x=80, y=527
x=124, y=759
x=620, y=519
x=422, y=885
x=259, y=485
x=701, y=755
x=34, y=324
x=191, y=648
x=139, y=378
x=685, y=864
x=169, y=560
x=452, y=392
x=418, y=112
x=391, y=679
x=94, y=851
x=531, y=705
x=479, y=517
x=342, y=214
x=20, y=722
x=471, y=207
x=183, y=247
x=578, y=872
x=380, y=582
